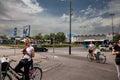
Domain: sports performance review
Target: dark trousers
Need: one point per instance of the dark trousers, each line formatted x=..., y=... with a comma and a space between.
x=26, y=65
x=90, y=51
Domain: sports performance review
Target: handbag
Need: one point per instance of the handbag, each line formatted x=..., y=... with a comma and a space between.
x=117, y=61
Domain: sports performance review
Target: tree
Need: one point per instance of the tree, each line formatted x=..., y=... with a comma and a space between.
x=116, y=38
x=3, y=37
x=46, y=37
x=60, y=37
x=38, y=37
x=52, y=35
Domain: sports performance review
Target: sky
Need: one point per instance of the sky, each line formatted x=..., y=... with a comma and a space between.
x=52, y=16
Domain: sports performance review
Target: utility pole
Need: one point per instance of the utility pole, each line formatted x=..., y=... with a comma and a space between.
x=112, y=14
x=70, y=14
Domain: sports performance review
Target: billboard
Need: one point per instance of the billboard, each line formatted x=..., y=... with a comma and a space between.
x=26, y=31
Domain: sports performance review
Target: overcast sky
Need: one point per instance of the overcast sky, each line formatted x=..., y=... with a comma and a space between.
x=52, y=16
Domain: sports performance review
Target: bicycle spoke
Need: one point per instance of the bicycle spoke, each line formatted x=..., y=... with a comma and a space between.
x=37, y=74
x=6, y=76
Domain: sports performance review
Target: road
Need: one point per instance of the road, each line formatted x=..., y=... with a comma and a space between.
x=76, y=66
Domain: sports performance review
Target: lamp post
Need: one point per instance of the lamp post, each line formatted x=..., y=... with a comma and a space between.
x=70, y=14
x=112, y=14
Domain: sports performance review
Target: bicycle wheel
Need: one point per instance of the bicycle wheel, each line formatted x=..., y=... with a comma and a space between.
x=6, y=76
x=36, y=73
x=102, y=58
x=90, y=57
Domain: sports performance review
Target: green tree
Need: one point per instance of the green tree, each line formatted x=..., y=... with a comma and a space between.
x=38, y=37
x=60, y=37
x=3, y=37
x=52, y=35
x=116, y=38
x=46, y=37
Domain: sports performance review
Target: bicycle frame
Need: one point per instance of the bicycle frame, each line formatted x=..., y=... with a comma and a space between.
x=13, y=73
x=9, y=72
x=101, y=58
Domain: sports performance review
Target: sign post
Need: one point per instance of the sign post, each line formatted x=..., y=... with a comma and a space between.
x=15, y=34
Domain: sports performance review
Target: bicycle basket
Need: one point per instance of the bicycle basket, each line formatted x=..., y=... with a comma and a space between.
x=5, y=66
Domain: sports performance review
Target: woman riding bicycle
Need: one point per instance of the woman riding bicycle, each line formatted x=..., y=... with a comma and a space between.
x=26, y=61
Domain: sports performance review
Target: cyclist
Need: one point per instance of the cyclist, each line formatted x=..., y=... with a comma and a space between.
x=91, y=47
x=96, y=50
x=26, y=61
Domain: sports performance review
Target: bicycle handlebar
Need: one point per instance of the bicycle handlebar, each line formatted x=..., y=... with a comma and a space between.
x=13, y=60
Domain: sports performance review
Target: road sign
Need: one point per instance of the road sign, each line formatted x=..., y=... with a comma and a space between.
x=26, y=31
x=68, y=35
x=15, y=32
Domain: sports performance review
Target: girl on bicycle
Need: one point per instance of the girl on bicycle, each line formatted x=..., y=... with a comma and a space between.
x=26, y=61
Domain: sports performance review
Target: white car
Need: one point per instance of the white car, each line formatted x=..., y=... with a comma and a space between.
x=103, y=48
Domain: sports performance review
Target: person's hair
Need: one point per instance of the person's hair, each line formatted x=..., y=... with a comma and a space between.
x=27, y=39
x=118, y=41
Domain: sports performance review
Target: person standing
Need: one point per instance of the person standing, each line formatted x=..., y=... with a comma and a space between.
x=116, y=51
x=26, y=61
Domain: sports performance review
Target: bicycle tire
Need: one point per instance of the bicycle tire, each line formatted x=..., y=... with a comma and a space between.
x=37, y=74
x=90, y=57
x=6, y=76
x=102, y=58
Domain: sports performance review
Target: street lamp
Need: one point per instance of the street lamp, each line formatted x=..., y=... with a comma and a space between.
x=70, y=27
x=112, y=14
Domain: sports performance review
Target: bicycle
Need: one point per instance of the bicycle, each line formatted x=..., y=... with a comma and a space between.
x=100, y=57
x=35, y=72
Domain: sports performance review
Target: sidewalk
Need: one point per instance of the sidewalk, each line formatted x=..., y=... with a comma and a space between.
x=44, y=62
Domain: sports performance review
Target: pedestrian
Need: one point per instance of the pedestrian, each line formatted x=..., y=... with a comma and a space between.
x=26, y=61
x=116, y=51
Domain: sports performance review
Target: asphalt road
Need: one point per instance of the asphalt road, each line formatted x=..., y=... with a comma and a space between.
x=76, y=66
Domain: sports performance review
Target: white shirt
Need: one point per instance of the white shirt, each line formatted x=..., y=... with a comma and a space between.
x=96, y=51
x=29, y=50
x=4, y=59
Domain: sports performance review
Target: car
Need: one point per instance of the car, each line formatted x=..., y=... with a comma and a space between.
x=39, y=48
x=108, y=48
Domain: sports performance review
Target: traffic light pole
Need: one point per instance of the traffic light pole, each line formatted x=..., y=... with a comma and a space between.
x=70, y=29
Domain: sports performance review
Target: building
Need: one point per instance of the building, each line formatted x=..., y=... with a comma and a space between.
x=84, y=38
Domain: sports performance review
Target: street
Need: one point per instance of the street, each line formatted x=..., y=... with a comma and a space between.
x=62, y=66
x=76, y=66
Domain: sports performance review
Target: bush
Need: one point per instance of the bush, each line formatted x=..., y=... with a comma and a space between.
x=60, y=45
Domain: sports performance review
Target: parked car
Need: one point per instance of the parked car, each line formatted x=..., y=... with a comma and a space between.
x=39, y=48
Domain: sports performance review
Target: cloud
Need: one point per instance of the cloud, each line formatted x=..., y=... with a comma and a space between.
x=93, y=18
x=32, y=6
x=65, y=17
x=19, y=13
x=114, y=6
x=62, y=0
